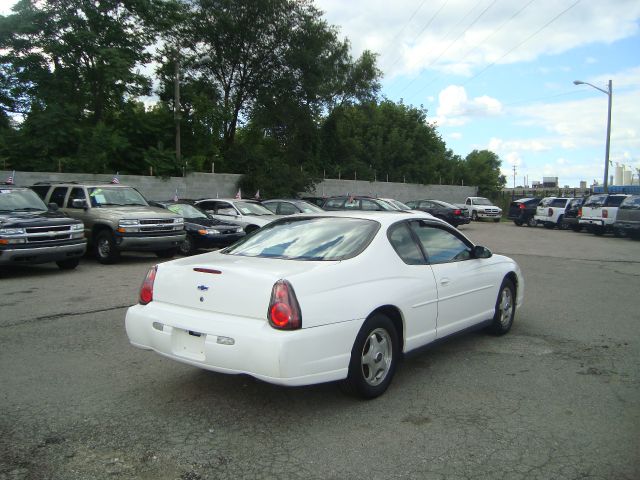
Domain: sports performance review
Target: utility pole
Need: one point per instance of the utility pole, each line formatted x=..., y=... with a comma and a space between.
x=176, y=104
x=514, y=178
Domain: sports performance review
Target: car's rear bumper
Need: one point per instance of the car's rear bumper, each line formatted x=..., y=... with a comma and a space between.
x=35, y=255
x=238, y=345
x=628, y=227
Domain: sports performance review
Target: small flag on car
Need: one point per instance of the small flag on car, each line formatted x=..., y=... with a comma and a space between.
x=11, y=178
x=238, y=195
x=175, y=196
x=257, y=197
x=115, y=179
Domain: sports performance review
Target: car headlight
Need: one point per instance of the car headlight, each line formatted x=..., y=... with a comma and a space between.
x=212, y=231
x=178, y=220
x=128, y=222
x=12, y=231
x=77, y=226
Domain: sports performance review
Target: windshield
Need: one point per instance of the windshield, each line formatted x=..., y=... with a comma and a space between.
x=250, y=208
x=119, y=196
x=20, y=200
x=482, y=201
x=631, y=203
x=595, y=200
x=396, y=204
x=185, y=210
x=326, y=238
x=307, y=207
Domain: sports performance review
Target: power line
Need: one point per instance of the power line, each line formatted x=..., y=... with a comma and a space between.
x=393, y=40
x=523, y=42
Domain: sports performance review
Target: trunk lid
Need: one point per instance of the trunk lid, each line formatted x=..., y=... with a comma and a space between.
x=227, y=284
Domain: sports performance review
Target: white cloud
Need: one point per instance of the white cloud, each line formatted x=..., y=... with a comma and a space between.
x=455, y=108
x=461, y=37
x=455, y=135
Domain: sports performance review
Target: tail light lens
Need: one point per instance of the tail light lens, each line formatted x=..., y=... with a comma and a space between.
x=284, y=310
x=605, y=213
x=521, y=206
x=580, y=212
x=457, y=212
x=550, y=212
x=146, y=290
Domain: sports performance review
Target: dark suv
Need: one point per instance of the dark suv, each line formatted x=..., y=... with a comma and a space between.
x=31, y=232
x=628, y=219
x=571, y=217
x=521, y=211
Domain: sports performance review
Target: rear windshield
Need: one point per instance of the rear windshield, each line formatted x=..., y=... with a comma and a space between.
x=324, y=238
x=558, y=202
x=614, y=201
x=595, y=200
x=631, y=203
x=546, y=201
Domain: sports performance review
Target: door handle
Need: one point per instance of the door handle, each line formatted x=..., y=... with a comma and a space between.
x=444, y=281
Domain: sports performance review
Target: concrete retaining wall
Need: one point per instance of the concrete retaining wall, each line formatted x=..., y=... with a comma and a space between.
x=201, y=185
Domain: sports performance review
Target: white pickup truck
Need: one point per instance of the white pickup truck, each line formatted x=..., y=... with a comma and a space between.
x=480, y=207
x=598, y=213
x=550, y=212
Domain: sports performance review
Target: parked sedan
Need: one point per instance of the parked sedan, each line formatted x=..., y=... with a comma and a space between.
x=250, y=214
x=338, y=296
x=290, y=206
x=356, y=202
x=202, y=230
x=446, y=211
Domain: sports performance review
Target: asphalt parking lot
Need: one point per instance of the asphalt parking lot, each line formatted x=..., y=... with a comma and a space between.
x=556, y=398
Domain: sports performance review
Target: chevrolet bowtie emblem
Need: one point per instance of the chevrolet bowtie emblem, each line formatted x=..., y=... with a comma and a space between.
x=203, y=288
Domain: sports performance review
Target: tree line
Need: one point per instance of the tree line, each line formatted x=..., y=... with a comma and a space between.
x=264, y=88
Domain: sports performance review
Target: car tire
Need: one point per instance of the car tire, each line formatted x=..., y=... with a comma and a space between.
x=374, y=357
x=187, y=247
x=474, y=216
x=68, y=264
x=562, y=225
x=518, y=222
x=168, y=253
x=505, y=309
x=618, y=233
x=106, y=250
x=532, y=222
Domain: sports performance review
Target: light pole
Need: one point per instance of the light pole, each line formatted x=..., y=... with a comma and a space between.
x=609, y=93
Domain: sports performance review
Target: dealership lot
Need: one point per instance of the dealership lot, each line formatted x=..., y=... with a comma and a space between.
x=558, y=397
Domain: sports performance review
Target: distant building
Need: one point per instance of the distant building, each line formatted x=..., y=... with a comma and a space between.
x=549, y=182
x=583, y=184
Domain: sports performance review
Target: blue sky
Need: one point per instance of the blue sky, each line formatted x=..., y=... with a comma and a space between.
x=498, y=74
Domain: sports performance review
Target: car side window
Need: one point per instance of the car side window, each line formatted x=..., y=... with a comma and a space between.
x=352, y=204
x=440, y=245
x=424, y=204
x=334, y=203
x=369, y=205
x=225, y=209
x=206, y=205
x=272, y=206
x=77, y=193
x=286, y=209
x=405, y=246
x=58, y=194
x=41, y=190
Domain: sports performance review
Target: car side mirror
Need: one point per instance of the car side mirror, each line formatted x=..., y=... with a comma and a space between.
x=53, y=206
x=78, y=203
x=481, y=252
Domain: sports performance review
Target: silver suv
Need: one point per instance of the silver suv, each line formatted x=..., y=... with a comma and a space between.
x=116, y=218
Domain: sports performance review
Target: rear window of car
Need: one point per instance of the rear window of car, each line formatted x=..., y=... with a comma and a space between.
x=614, y=201
x=631, y=203
x=326, y=238
x=558, y=202
x=595, y=200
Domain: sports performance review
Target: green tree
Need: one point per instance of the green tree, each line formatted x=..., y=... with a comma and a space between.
x=482, y=168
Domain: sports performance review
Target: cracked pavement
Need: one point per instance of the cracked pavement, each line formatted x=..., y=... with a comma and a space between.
x=556, y=398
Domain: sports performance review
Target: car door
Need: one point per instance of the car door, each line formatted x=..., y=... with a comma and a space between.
x=467, y=286
x=418, y=287
x=82, y=213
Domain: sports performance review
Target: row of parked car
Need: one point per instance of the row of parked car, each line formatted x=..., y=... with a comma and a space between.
x=59, y=221
x=599, y=214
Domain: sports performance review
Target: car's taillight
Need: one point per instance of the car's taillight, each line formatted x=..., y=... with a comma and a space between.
x=580, y=212
x=457, y=212
x=605, y=213
x=284, y=311
x=521, y=206
x=550, y=212
x=146, y=290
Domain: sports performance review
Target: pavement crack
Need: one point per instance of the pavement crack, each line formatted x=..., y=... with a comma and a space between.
x=57, y=316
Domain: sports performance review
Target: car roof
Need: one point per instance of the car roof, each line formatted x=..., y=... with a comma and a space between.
x=384, y=217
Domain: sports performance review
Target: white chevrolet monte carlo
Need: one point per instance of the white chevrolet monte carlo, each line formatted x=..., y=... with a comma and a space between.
x=336, y=296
